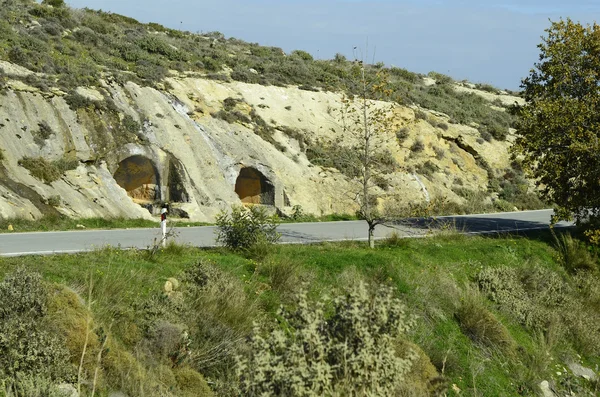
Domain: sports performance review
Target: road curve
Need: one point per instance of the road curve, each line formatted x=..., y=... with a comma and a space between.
x=39, y=243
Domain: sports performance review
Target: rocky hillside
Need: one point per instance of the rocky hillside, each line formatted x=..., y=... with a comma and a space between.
x=127, y=117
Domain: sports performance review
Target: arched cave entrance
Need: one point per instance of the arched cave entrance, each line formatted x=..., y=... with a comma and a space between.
x=139, y=177
x=253, y=187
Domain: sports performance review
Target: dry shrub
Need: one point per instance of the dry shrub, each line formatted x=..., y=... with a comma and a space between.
x=68, y=317
x=347, y=349
x=191, y=383
x=423, y=379
x=481, y=325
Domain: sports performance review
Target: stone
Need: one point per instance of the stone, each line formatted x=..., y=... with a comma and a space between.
x=168, y=287
x=174, y=282
x=585, y=373
x=546, y=389
x=90, y=93
x=67, y=390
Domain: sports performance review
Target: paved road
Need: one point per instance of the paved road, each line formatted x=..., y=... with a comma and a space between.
x=76, y=241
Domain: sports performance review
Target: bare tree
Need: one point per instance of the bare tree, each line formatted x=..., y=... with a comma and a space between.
x=366, y=120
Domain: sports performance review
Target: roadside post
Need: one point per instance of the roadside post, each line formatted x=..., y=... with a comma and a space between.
x=163, y=226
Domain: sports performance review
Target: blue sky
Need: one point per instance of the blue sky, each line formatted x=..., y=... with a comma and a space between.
x=482, y=41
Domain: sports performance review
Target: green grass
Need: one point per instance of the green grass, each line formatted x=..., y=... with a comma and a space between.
x=429, y=274
x=57, y=223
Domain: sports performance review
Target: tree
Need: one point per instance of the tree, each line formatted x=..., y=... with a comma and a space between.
x=366, y=121
x=559, y=126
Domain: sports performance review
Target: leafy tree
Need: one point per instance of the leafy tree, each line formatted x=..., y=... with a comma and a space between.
x=559, y=126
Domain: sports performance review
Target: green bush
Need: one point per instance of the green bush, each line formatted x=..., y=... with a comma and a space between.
x=345, y=349
x=244, y=228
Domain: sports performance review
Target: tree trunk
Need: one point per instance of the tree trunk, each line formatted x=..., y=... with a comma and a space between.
x=371, y=235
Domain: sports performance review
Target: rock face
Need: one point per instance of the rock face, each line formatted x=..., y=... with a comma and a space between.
x=137, y=145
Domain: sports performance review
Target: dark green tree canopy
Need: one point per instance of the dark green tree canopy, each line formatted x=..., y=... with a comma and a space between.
x=559, y=126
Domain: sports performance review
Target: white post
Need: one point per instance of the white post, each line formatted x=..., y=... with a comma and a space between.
x=163, y=226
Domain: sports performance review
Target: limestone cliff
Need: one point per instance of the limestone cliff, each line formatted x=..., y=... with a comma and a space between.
x=132, y=147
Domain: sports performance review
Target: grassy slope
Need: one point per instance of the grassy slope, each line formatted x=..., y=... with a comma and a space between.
x=431, y=275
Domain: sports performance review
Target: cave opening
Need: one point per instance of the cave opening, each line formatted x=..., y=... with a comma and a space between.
x=139, y=177
x=253, y=187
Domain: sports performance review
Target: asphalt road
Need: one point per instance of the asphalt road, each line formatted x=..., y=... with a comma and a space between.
x=85, y=240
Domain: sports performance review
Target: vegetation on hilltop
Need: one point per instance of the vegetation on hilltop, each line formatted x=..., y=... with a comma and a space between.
x=77, y=47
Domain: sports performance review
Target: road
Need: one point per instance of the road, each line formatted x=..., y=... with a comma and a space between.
x=16, y=244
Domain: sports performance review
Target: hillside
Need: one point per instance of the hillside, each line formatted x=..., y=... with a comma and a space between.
x=105, y=117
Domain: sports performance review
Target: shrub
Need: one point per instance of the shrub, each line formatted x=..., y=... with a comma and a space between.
x=428, y=169
x=486, y=136
x=54, y=3
x=440, y=153
x=44, y=132
x=479, y=324
x=418, y=146
x=26, y=345
x=243, y=228
x=305, y=56
x=440, y=78
x=420, y=115
x=54, y=201
x=345, y=159
x=45, y=170
x=402, y=134
x=348, y=349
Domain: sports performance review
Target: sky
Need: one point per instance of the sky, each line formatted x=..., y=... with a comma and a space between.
x=483, y=41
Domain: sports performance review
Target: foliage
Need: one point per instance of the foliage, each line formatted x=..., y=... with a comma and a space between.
x=345, y=350
x=559, y=131
x=26, y=345
x=245, y=227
